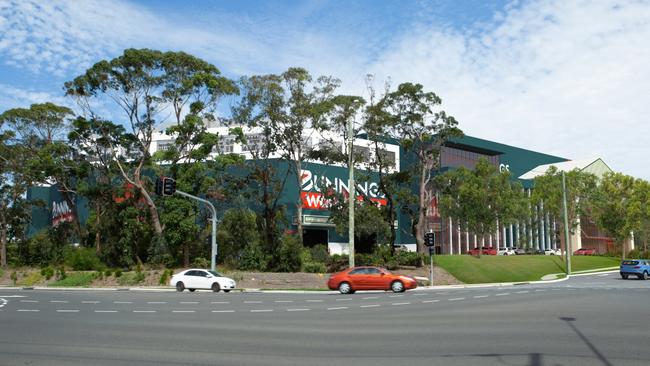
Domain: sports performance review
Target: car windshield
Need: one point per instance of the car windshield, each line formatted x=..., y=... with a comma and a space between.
x=629, y=263
x=215, y=273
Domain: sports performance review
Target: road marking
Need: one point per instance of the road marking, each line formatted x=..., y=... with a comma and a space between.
x=314, y=300
x=279, y=301
x=67, y=311
x=252, y=302
x=28, y=300
x=298, y=309
x=400, y=303
x=429, y=301
x=156, y=302
x=603, y=275
x=503, y=294
x=419, y=294
x=90, y=302
x=144, y=311
x=396, y=296
x=261, y=310
x=223, y=311
x=370, y=306
x=343, y=299
x=106, y=311
x=3, y=302
x=122, y=302
x=370, y=298
x=183, y=311
x=540, y=290
x=189, y=302
x=521, y=292
x=13, y=296
x=456, y=299
x=29, y=310
x=338, y=308
x=481, y=296
x=220, y=302
x=59, y=301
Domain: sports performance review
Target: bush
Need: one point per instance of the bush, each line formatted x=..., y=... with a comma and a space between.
x=47, y=272
x=314, y=267
x=75, y=280
x=637, y=254
x=31, y=279
x=409, y=258
x=290, y=254
x=337, y=262
x=200, y=262
x=319, y=253
x=118, y=273
x=108, y=273
x=60, y=273
x=164, y=278
x=131, y=278
x=253, y=258
x=14, y=277
x=83, y=259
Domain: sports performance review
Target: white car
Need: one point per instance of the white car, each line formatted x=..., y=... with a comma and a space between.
x=201, y=279
x=552, y=252
x=506, y=251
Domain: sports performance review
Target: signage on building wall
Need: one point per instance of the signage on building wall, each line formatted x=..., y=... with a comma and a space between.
x=504, y=167
x=311, y=186
x=61, y=212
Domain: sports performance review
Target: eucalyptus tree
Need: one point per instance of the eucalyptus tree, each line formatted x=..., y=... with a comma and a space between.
x=638, y=212
x=422, y=127
x=148, y=85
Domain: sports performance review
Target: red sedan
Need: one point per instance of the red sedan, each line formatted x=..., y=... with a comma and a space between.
x=482, y=251
x=369, y=278
x=585, y=251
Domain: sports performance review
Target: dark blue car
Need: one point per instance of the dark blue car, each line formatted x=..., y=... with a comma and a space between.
x=635, y=267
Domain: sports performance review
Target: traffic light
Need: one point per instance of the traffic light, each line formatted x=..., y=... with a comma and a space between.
x=169, y=186
x=430, y=239
x=159, y=186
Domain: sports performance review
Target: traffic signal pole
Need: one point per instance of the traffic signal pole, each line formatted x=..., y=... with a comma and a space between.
x=213, y=257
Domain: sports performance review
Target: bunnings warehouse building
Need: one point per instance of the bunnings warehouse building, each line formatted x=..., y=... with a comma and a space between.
x=537, y=232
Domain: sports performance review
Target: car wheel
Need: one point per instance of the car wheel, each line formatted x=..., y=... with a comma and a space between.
x=397, y=286
x=216, y=287
x=180, y=286
x=192, y=289
x=645, y=275
x=624, y=276
x=345, y=288
x=226, y=291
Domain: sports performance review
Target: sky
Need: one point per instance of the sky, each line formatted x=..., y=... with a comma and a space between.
x=567, y=78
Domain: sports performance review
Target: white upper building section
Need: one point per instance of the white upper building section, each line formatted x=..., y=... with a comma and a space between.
x=594, y=166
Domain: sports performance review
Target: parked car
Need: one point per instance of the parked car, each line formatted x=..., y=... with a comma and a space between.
x=482, y=251
x=585, y=251
x=635, y=267
x=201, y=279
x=552, y=252
x=520, y=251
x=369, y=278
x=506, y=251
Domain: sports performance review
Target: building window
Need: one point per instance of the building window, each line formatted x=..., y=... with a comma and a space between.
x=388, y=157
x=165, y=145
x=454, y=158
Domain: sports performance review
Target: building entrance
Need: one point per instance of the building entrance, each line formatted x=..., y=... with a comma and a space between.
x=312, y=237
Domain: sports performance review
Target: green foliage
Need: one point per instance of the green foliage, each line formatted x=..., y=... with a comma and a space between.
x=201, y=263
x=319, y=253
x=60, y=273
x=108, y=273
x=47, y=272
x=290, y=254
x=131, y=279
x=76, y=280
x=166, y=275
x=314, y=267
x=118, y=273
x=83, y=259
x=254, y=258
x=337, y=262
x=14, y=277
x=638, y=254
x=237, y=232
x=31, y=279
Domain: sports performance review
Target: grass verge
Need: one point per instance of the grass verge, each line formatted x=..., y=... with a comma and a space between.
x=75, y=280
x=487, y=269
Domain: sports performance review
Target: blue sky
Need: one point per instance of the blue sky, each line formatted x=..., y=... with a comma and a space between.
x=569, y=78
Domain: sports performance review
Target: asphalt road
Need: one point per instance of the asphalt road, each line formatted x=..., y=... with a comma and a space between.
x=591, y=320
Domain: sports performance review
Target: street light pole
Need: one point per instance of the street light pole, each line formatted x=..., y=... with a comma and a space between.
x=351, y=193
x=213, y=256
x=567, y=239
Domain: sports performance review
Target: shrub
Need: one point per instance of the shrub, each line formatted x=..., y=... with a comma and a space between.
x=337, y=262
x=319, y=253
x=164, y=278
x=47, y=272
x=201, y=262
x=83, y=259
x=408, y=258
x=60, y=273
x=31, y=279
x=118, y=273
x=108, y=273
x=75, y=280
x=289, y=254
x=253, y=258
x=14, y=277
x=637, y=254
x=131, y=278
x=392, y=265
x=314, y=267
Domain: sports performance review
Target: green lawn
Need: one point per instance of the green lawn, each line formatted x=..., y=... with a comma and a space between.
x=487, y=269
x=75, y=280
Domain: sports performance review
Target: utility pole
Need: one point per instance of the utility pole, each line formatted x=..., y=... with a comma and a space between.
x=213, y=257
x=567, y=239
x=351, y=193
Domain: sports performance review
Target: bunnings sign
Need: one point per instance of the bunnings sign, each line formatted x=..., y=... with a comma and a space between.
x=313, y=185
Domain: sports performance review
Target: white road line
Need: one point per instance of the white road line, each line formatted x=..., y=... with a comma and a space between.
x=90, y=302
x=28, y=300
x=252, y=302
x=396, y=296
x=67, y=311
x=156, y=302
x=183, y=311
x=314, y=300
x=338, y=308
x=343, y=299
x=29, y=310
x=603, y=275
x=429, y=301
x=261, y=310
x=298, y=309
x=456, y=299
x=481, y=296
x=144, y=311
x=281, y=301
x=521, y=292
x=223, y=311
x=59, y=301
x=106, y=311
x=370, y=298
x=503, y=294
x=122, y=302
x=419, y=294
x=370, y=306
x=540, y=290
x=220, y=302
x=189, y=302
x=400, y=303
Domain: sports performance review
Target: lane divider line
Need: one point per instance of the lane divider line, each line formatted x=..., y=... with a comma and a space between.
x=338, y=308
x=481, y=296
x=183, y=311
x=144, y=311
x=370, y=306
x=90, y=302
x=503, y=294
x=400, y=303
x=28, y=300
x=156, y=302
x=106, y=311
x=282, y=301
x=67, y=311
x=261, y=310
x=29, y=310
x=223, y=311
x=298, y=309
x=456, y=299
x=429, y=301
x=59, y=301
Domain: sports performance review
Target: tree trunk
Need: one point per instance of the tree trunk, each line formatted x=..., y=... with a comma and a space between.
x=97, y=226
x=298, y=168
x=3, y=242
x=155, y=219
x=420, y=227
